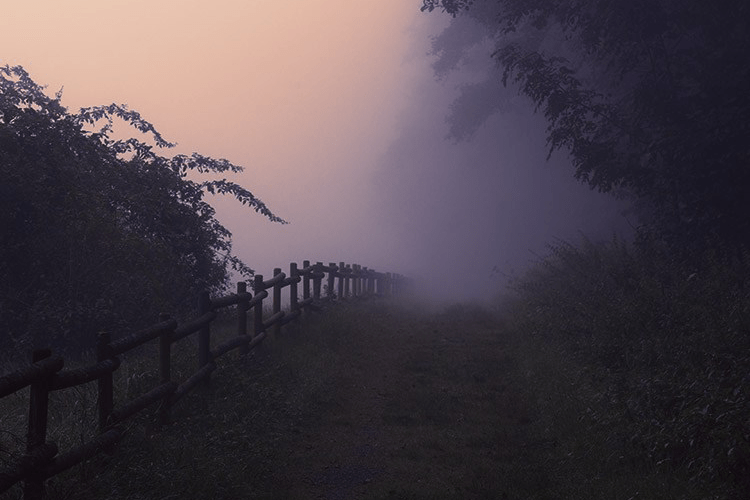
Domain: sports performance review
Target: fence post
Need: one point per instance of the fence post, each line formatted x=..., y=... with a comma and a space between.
x=242, y=316
x=165, y=369
x=33, y=488
x=277, y=302
x=331, y=276
x=365, y=281
x=316, y=281
x=293, y=273
x=347, y=278
x=340, y=272
x=306, y=281
x=355, y=280
x=204, y=334
x=258, y=308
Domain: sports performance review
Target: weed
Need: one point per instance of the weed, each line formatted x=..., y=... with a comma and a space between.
x=656, y=355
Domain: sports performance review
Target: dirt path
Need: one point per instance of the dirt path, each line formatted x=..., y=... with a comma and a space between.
x=421, y=410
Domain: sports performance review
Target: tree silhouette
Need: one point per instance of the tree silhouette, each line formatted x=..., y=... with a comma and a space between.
x=648, y=97
x=99, y=231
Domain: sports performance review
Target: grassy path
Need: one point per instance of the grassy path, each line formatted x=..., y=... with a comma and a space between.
x=384, y=403
x=422, y=409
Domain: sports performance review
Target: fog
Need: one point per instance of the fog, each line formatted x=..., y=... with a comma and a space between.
x=460, y=217
x=471, y=211
x=337, y=116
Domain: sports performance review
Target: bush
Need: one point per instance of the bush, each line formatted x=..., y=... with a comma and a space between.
x=666, y=341
x=99, y=232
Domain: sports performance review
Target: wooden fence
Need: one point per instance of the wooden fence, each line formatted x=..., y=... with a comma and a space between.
x=46, y=372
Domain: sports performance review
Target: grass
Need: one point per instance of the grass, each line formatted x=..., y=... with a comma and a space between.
x=359, y=401
x=656, y=353
x=611, y=372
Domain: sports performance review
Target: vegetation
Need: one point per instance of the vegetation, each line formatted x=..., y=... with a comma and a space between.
x=620, y=370
x=369, y=399
x=662, y=352
x=390, y=400
x=97, y=230
x=647, y=98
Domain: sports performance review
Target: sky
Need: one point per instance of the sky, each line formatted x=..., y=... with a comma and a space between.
x=333, y=109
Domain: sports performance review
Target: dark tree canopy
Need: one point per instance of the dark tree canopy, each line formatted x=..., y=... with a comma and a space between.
x=98, y=232
x=648, y=97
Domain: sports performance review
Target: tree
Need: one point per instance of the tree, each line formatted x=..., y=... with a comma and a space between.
x=100, y=233
x=648, y=97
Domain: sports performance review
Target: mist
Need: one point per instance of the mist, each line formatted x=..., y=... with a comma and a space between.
x=460, y=217
x=342, y=127
x=469, y=213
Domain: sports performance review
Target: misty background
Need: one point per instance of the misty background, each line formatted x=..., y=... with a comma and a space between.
x=343, y=127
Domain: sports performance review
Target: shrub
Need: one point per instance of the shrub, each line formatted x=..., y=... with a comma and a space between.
x=99, y=231
x=666, y=341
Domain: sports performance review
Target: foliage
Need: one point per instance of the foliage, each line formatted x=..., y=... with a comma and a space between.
x=356, y=402
x=649, y=99
x=665, y=345
x=453, y=7
x=99, y=231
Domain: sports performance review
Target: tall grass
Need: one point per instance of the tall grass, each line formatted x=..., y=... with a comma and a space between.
x=619, y=372
x=656, y=357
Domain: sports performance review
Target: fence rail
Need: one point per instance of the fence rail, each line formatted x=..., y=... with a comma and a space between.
x=46, y=372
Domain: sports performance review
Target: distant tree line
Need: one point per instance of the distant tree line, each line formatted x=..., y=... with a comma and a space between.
x=97, y=230
x=649, y=98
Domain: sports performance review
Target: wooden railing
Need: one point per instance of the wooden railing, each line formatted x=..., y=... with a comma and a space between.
x=46, y=372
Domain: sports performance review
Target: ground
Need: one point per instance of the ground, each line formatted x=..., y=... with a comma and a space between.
x=422, y=412
x=368, y=401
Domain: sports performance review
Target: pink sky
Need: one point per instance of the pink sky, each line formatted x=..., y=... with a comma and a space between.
x=304, y=94
x=333, y=109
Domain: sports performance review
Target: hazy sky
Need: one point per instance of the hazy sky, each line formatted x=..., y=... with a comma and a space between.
x=332, y=108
